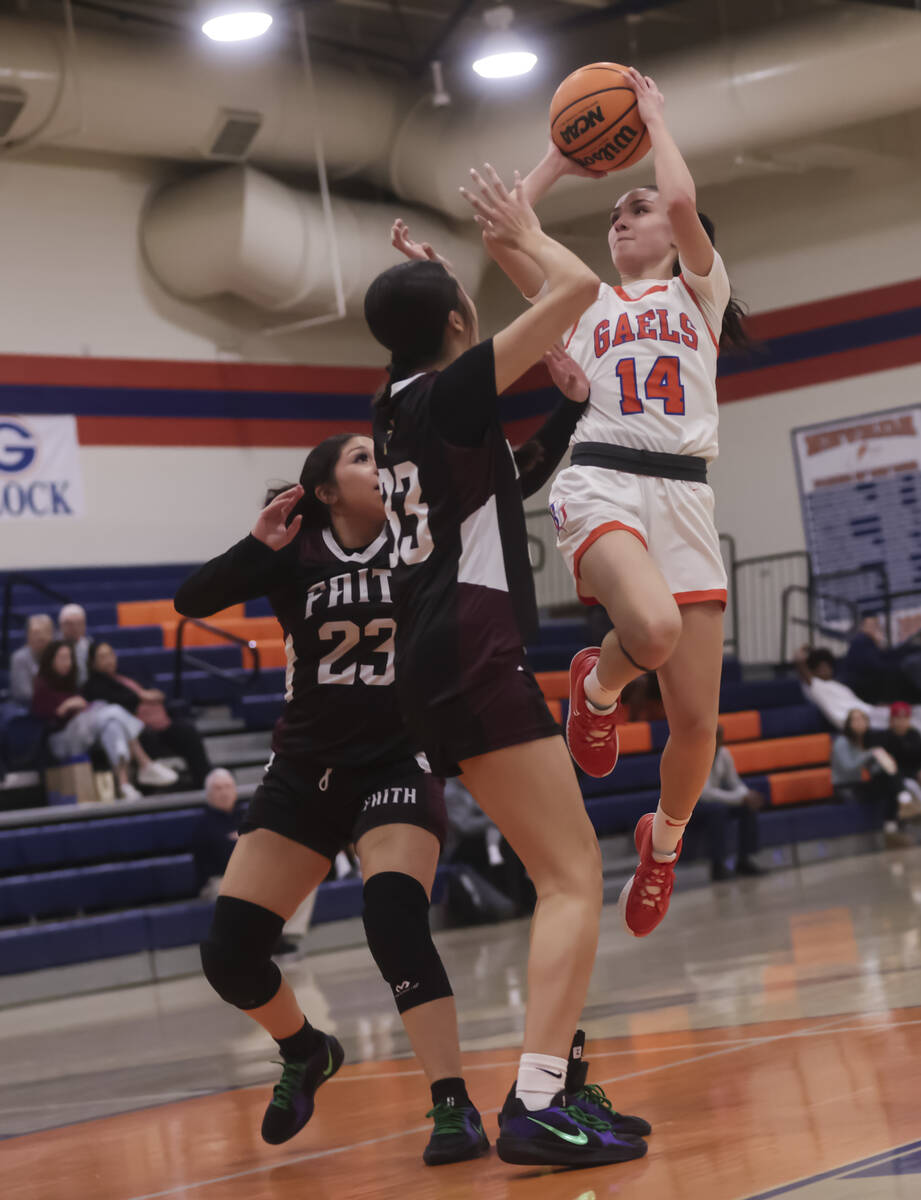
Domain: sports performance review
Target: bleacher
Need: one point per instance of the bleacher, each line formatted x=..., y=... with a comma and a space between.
x=77, y=886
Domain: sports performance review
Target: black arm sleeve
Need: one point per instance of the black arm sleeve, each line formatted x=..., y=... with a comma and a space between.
x=464, y=402
x=540, y=455
x=246, y=571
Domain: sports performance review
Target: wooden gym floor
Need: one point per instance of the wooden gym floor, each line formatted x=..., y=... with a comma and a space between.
x=770, y=1030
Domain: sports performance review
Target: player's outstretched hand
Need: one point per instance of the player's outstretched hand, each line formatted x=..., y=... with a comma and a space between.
x=650, y=103
x=418, y=251
x=272, y=527
x=567, y=374
x=503, y=215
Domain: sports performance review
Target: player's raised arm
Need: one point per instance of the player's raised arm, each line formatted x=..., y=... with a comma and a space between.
x=522, y=270
x=673, y=179
x=508, y=218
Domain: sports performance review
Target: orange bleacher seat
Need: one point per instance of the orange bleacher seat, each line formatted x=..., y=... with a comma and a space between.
x=753, y=758
x=741, y=726
x=156, y=612
x=799, y=787
x=271, y=653
x=635, y=737
x=554, y=684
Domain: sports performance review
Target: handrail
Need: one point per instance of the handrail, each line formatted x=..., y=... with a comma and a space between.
x=181, y=657
x=815, y=592
x=733, y=639
x=10, y=581
x=811, y=596
x=534, y=540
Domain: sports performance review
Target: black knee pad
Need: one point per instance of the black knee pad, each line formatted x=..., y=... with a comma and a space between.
x=236, y=957
x=396, y=919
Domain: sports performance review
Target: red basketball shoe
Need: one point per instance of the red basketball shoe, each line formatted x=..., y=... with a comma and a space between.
x=644, y=900
x=592, y=738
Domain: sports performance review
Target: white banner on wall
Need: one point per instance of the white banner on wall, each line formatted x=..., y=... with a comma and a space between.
x=860, y=490
x=40, y=475
x=860, y=449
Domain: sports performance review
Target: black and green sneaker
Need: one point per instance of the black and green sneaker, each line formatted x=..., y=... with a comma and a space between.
x=291, y=1106
x=457, y=1136
x=590, y=1099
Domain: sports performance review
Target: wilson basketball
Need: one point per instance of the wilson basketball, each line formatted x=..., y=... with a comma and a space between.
x=594, y=119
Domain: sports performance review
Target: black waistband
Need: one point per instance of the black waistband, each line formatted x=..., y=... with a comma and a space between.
x=639, y=462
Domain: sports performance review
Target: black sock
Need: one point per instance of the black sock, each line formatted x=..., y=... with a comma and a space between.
x=301, y=1045
x=450, y=1091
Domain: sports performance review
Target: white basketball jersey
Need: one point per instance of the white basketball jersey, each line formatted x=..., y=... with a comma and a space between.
x=649, y=351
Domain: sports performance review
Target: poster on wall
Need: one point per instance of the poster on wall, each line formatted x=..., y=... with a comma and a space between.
x=40, y=475
x=860, y=492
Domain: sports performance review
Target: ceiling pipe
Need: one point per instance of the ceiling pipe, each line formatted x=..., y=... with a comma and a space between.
x=236, y=231
x=854, y=64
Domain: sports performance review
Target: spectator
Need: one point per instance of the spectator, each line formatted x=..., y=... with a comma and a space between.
x=476, y=843
x=217, y=832
x=72, y=628
x=24, y=661
x=834, y=699
x=725, y=796
x=77, y=724
x=903, y=741
x=877, y=673
x=869, y=774
x=162, y=735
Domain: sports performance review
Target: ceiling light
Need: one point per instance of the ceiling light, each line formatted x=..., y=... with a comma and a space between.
x=503, y=54
x=237, y=25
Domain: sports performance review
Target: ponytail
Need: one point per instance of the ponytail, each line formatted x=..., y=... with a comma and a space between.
x=407, y=309
x=733, y=334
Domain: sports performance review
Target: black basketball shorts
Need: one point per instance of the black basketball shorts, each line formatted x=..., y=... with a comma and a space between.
x=328, y=810
x=503, y=707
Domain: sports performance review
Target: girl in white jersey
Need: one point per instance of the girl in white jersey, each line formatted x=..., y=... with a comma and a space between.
x=634, y=512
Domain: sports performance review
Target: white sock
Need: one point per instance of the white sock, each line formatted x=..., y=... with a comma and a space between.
x=600, y=699
x=540, y=1077
x=666, y=834
x=890, y=827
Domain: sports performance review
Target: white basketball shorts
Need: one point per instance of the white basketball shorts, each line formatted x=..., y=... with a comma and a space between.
x=673, y=518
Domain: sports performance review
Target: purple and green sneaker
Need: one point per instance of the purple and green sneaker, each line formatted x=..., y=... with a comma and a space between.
x=291, y=1106
x=590, y=1099
x=560, y=1136
x=457, y=1136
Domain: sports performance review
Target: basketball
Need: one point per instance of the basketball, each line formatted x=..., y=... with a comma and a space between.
x=594, y=119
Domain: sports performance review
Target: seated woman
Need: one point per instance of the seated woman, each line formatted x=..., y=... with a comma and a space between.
x=162, y=734
x=78, y=724
x=870, y=774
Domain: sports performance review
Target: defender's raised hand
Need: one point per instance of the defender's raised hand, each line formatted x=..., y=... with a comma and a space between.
x=418, y=251
x=272, y=527
x=503, y=215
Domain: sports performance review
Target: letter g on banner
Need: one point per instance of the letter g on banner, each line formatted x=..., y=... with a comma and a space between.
x=17, y=448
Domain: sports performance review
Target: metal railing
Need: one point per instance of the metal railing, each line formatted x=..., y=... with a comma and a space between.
x=731, y=616
x=183, y=658
x=758, y=586
x=11, y=581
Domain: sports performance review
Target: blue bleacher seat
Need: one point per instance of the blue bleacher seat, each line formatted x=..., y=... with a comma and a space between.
x=55, y=944
x=337, y=900
x=791, y=722
x=98, y=838
x=179, y=924
x=761, y=694
x=259, y=712
x=107, y=885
